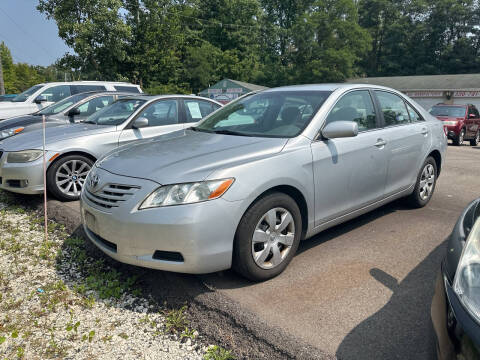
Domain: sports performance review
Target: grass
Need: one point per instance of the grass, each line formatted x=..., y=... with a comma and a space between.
x=218, y=353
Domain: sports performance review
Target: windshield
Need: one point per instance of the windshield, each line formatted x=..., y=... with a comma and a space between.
x=453, y=111
x=26, y=94
x=62, y=105
x=116, y=113
x=282, y=114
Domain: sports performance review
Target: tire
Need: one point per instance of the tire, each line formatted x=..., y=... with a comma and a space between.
x=458, y=140
x=258, y=260
x=425, y=184
x=476, y=139
x=66, y=176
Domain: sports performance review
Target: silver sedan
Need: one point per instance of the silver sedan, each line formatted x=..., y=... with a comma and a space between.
x=247, y=183
x=72, y=149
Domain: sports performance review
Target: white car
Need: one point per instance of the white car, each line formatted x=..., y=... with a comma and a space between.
x=41, y=95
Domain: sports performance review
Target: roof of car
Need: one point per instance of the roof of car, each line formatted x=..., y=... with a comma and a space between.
x=88, y=83
x=454, y=105
x=323, y=87
x=153, y=97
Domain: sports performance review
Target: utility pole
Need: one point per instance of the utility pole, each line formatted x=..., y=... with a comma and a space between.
x=2, y=84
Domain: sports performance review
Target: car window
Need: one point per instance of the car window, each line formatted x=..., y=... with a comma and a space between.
x=164, y=112
x=414, y=116
x=27, y=93
x=198, y=109
x=116, y=113
x=453, y=111
x=62, y=105
x=473, y=110
x=84, y=88
x=266, y=114
x=132, y=89
x=93, y=105
x=393, y=108
x=355, y=106
x=56, y=93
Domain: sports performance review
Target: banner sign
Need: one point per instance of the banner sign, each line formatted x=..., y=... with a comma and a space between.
x=234, y=90
x=214, y=91
x=424, y=93
x=466, y=94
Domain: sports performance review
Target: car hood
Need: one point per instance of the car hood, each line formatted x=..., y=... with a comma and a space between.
x=187, y=156
x=33, y=139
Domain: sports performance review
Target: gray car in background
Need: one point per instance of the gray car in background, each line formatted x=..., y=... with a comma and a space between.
x=72, y=149
x=246, y=184
x=75, y=108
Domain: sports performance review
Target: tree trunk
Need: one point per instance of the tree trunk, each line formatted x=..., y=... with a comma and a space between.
x=2, y=84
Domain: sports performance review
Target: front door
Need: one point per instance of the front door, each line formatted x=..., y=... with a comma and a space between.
x=349, y=173
x=163, y=117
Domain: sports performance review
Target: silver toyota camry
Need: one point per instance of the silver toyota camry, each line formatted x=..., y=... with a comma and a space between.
x=72, y=149
x=244, y=186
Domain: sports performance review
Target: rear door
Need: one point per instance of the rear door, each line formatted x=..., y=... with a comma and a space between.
x=163, y=117
x=350, y=173
x=407, y=140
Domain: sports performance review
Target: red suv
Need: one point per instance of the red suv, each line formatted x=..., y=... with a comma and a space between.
x=461, y=122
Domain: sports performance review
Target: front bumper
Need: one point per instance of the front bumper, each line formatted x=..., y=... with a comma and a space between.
x=200, y=235
x=23, y=178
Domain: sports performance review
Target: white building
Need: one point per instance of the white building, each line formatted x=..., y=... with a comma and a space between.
x=429, y=90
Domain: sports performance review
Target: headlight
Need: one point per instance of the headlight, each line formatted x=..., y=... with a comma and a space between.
x=450, y=122
x=10, y=132
x=467, y=278
x=24, y=156
x=188, y=193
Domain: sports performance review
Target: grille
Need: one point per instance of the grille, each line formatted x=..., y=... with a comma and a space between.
x=111, y=195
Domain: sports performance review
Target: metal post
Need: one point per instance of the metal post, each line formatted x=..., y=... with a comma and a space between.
x=2, y=83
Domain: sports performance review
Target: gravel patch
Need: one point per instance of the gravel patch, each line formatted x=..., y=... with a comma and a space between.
x=58, y=301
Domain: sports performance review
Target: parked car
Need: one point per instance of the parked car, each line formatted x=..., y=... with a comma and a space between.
x=246, y=184
x=456, y=303
x=75, y=108
x=42, y=95
x=462, y=122
x=72, y=149
x=7, y=97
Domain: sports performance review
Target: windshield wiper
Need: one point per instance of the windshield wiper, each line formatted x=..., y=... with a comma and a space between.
x=193, y=128
x=89, y=122
x=231, y=132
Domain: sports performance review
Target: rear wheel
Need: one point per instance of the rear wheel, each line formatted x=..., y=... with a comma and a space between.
x=476, y=139
x=267, y=237
x=425, y=185
x=67, y=175
x=458, y=140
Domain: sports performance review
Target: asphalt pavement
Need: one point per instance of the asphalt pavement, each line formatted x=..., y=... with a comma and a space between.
x=361, y=290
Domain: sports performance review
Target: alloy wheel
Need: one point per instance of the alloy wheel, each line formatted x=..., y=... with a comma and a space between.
x=427, y=181
x=71, y=176
x=461, y=137
x=273, y=238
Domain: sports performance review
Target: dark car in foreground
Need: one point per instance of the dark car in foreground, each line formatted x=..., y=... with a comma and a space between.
x=456, y=303
x=461, y=122
x=75, y=108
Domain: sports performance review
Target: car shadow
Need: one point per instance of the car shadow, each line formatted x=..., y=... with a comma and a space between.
x=393, y=331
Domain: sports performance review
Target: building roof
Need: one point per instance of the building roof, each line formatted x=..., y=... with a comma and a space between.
x=425, y=82
x=229, y=83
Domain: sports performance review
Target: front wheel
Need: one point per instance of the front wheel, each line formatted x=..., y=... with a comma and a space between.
x=476, y=139
x=67, y=175
x=425, y=185
x=459, y=139
x=267, y=237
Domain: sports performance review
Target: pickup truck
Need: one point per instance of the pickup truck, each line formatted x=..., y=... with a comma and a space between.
x=461, y=122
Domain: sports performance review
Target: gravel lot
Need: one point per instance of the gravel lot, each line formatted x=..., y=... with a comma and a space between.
x=57, y=301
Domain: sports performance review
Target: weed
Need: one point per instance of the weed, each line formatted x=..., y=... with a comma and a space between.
x=176, y=320
x=218, y=353
x=123, y=335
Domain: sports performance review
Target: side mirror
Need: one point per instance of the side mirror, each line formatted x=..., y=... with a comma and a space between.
x=472, y=116
x=140, y=122
x=74, y=112
x=340, y=129
x=39, y=99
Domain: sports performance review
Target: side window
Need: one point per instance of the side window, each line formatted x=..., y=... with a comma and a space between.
x=93, y=105
x=249, y=114
x=132, y=89
x=414, y=116
x=76, y=89
x=393, y=108
x=164, y=112
x=198, y=109
x=355, y=106
x=473, y=110
x=56, y=93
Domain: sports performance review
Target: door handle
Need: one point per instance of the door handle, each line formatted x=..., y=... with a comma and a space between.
x=424, y=131
x=380, y=143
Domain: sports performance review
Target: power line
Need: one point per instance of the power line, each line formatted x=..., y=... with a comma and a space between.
x=29, y=36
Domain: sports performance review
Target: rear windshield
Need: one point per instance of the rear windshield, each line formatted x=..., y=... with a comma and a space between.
x=132, y=89
x=453, y=111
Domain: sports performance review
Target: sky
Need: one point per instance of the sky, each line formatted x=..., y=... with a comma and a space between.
x=28, y=34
